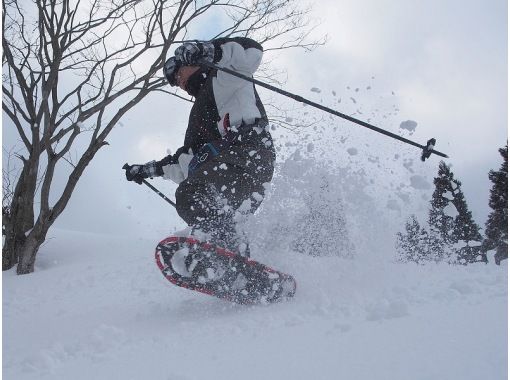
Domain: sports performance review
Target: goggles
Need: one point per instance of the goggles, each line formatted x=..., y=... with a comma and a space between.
x=170, y=70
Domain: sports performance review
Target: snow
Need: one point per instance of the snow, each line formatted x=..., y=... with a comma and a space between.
x=462, y=243
x=352, y=151
x=420, y=183
x=97, y=307
x=179, y=262
x=448, y=195
x=408, y=164
x=409, y=125
x=450, y=210
x=393, y=205
x=257, y=196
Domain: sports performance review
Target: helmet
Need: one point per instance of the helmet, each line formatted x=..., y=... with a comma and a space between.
x=170, y=69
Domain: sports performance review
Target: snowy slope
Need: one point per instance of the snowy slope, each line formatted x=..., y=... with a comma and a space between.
x=98, y=308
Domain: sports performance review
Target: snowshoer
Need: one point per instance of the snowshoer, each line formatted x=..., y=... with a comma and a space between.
x=228, y=152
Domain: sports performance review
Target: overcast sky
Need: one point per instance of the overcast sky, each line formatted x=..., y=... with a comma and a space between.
x=442, y=64
x=446, y=63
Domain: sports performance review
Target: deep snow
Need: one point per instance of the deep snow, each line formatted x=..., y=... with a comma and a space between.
x=97, y=307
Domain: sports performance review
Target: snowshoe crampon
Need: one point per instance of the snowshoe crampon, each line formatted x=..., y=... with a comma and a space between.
x=209, y=269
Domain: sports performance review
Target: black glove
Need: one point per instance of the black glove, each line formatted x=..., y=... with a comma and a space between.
x=138, y=173
x=190, y=53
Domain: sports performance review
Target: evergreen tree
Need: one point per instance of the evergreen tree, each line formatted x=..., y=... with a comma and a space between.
x=466, y=232
x=441, y=222
x=452, y=228
x=412, y=245
x=496, y=227
x=323, y=230
x=437, y=249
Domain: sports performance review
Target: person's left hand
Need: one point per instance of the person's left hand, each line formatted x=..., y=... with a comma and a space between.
x=190, y=53
x=137, y=173
x=134, y=173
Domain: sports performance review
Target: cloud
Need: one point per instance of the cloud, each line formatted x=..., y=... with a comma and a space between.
x=151, y=147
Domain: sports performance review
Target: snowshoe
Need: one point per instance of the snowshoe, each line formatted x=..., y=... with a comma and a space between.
x=209, y=269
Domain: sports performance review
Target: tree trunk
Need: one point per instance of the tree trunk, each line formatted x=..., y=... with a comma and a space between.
x=10, y=250
x=21, y=215
x=27, y=254
x=28, y=251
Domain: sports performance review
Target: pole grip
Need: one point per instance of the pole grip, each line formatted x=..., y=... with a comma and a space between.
x=145, y=182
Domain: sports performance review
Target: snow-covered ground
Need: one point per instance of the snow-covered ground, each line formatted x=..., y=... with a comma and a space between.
x=97, y=307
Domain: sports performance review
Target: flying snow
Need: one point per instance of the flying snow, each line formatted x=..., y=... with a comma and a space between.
x=409, y=125
x=451, y=210
x=419, y=182
x=408, y=163
x=393, y=205
x=352, y=151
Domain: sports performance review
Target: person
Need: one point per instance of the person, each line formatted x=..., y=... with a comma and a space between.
x=228, y=154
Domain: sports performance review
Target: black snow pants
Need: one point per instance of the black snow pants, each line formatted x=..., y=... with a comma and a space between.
x=227, y=185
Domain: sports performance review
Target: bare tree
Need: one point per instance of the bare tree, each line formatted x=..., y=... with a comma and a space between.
x=67, y=64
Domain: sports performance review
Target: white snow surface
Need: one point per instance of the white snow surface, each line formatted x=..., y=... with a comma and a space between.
x=97, y=307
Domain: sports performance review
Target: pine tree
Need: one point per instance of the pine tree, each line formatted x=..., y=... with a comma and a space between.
x=452, y=228
x=441, y=223
x=496, y=227
x=437, y=249
x=466, y=232
x=323, y=230
x=412, y=246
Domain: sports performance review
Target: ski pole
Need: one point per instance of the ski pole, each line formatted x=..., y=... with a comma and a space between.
x=126, y=166
x=427, y=149
x=159, y=193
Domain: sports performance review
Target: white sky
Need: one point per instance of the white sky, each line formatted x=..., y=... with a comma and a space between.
x=442, y=64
